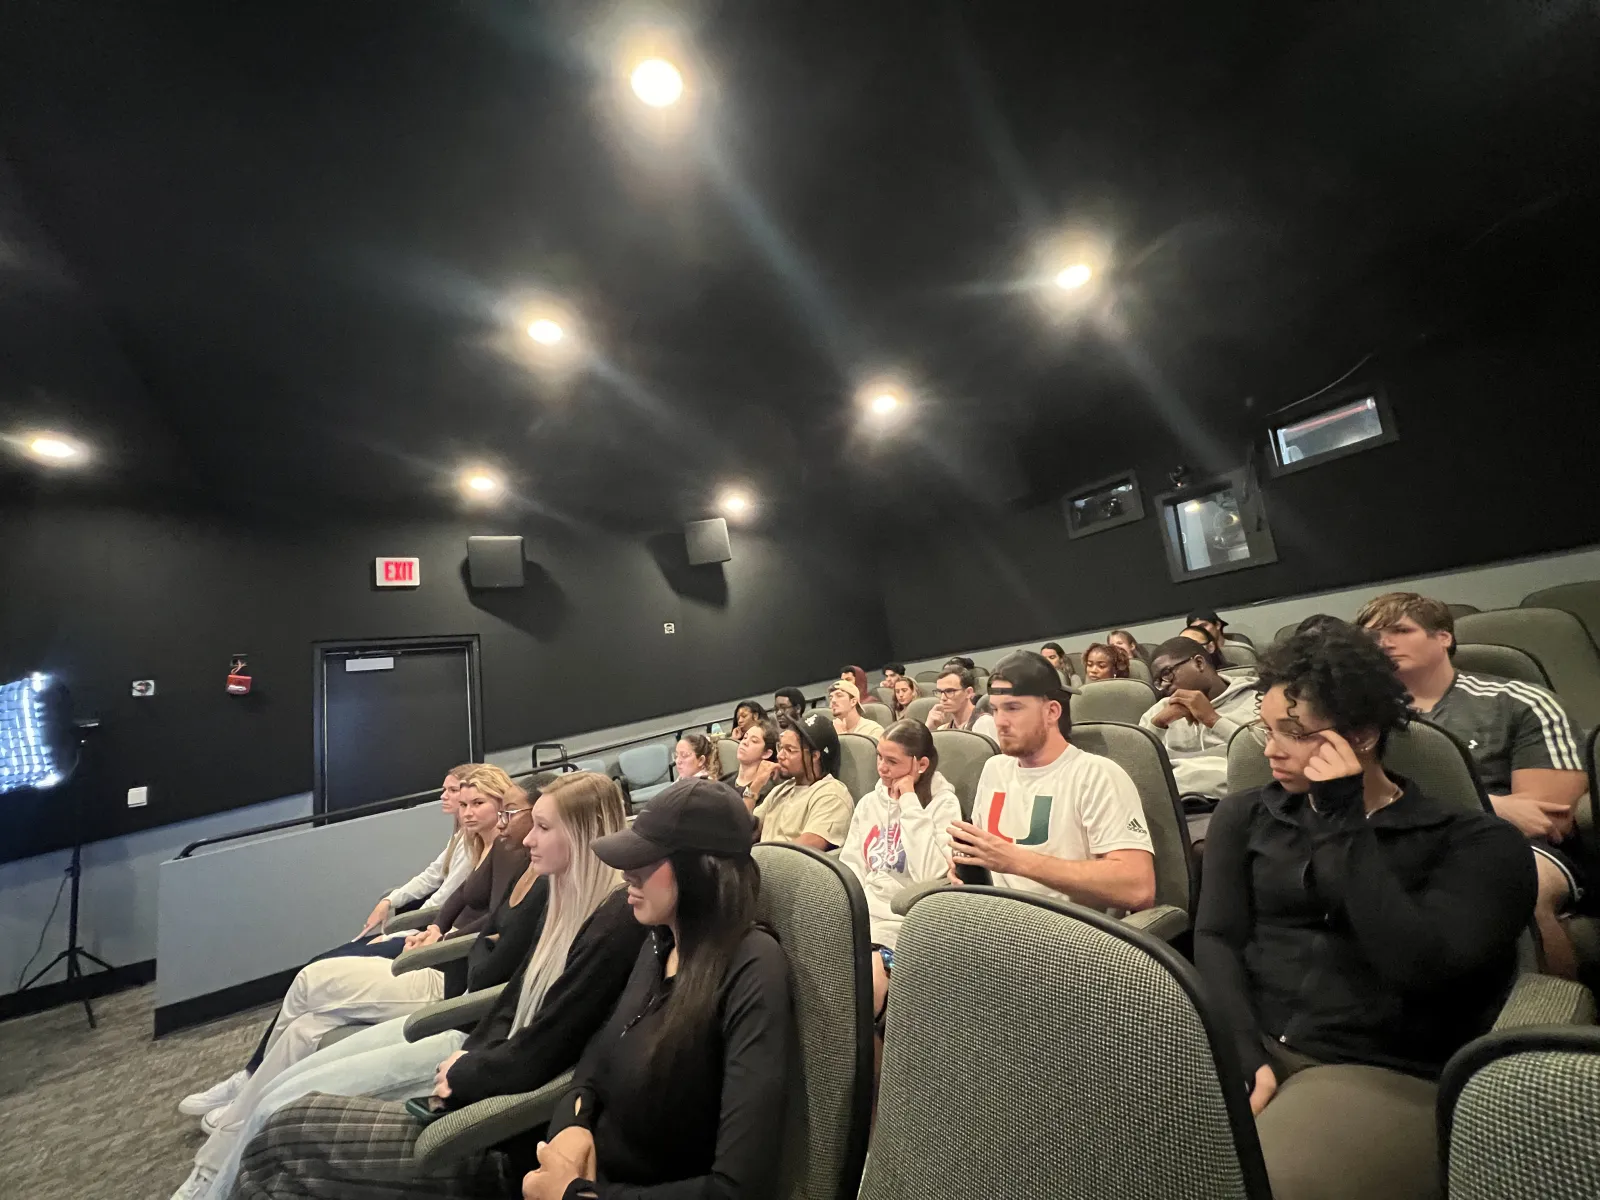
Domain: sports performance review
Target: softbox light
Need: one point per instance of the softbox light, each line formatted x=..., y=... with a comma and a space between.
x=37, y=743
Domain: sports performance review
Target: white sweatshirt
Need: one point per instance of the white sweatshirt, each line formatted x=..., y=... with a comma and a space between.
x=1200, y=755
x=435, y=882
x=894, y=843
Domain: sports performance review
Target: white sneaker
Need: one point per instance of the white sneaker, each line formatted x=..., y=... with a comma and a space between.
x=212, y=1123
x=197, y=1185
x=197, y=1104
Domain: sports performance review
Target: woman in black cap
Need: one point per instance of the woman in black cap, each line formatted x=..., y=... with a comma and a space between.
x=683, y=1089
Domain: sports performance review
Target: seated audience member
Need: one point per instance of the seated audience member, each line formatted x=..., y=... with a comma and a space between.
x=788, y=700
x=1198, y=712
x=1048, y=817
x=905, y=691
x=683, y=1091
x=809, y=805
x=695, y=757
x=957, y=707
x=568, y=924
x=340, y=991
x=1129, y=644
x=1102, y=661
x=1208, y=620
x=1347, y=918
x=959, y=660
x=893, y=671
x=745, y=714
x=858, y=677
x=466, y=848
x=899, y=836
x=758, y=763
x=1057, y=658
x=1319, y=622
x=1519, y=738
x=844, y=702
x=1200, y=635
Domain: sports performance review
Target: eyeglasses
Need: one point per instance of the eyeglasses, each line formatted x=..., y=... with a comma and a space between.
x=947, y=692
x=506, y=814
x=1261, y=731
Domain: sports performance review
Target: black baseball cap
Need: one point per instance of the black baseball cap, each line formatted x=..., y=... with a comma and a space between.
x=815, y=729
x=1025, y=673
x=1206, y=616
x=700, y=815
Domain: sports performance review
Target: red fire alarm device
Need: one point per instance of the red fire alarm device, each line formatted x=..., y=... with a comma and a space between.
x=398, y=572
x=238, y=678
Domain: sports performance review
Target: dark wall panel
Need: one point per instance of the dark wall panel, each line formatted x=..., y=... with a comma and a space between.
x=102, y=597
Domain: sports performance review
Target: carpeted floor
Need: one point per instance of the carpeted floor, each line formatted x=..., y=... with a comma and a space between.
x=95, y=1112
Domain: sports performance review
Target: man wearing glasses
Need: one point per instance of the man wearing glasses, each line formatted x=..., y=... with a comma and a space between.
x=1198, y=712
x=957, y=707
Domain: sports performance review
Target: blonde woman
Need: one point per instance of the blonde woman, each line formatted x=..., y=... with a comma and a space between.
x=342, y=991
x=537, y=1029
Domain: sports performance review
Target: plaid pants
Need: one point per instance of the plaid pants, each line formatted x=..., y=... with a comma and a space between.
x=355, y=1148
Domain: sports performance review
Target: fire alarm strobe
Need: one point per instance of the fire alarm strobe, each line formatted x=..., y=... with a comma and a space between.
x=238, y=677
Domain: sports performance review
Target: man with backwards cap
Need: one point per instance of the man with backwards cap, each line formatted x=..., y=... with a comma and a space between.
x=1048, y=817
x=844, y=701
x=809, y=807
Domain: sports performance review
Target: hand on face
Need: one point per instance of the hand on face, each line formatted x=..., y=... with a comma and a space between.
x=1333, y=759
x=1197, y=704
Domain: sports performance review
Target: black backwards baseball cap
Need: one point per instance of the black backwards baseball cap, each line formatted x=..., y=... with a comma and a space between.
x=815, y=728
x=1205, y=616
x=698, y=815
x=1025, y=673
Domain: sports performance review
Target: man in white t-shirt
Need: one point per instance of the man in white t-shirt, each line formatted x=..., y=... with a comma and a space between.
x=1048, y=817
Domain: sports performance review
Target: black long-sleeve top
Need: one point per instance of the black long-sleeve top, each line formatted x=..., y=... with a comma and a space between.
x=715, y=1130
x=1388, y=939
x=505, y=940
x=468, y=907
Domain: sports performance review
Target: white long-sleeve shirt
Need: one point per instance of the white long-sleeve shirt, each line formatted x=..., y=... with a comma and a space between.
x=894, y=843
x=1200, y=755
x=435, y=882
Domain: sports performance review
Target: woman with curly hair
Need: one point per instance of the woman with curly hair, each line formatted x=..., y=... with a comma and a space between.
x=1103, y=661
x=1354, y=931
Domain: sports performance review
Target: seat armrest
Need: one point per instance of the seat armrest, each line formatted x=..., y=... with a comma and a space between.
x=462, y=1012
x=1165, y=921
x=417, y=918
x=1546, y=1000
x=435, y=955
x=485, y=1124
x=907, y=896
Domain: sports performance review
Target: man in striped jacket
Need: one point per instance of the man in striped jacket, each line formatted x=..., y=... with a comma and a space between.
x=1518, y=735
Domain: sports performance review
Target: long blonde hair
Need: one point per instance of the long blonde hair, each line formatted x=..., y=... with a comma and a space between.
x=497, y=785
x=459, y=773
x=588, y=805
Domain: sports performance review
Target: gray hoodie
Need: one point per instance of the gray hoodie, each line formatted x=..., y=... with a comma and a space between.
x=1200, y=755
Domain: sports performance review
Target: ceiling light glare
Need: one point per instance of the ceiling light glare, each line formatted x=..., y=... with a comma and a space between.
x=546, y=332
x=885, y=403
x=480, y=484
x=1074, y=276
x=734, y=504
x=657, y=82
x=52, y=448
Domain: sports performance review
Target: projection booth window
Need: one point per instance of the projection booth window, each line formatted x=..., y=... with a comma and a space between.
x=1103, y=504
x=1215, y=526
x=1349, y=424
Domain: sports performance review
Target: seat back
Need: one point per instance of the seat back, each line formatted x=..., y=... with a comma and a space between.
x=1087, y=1031
x=1517, y=1115
x=643, y=766
x=1437, y=763
x=962, y=754
x=1122, y=700
x=727, y=755
x=1075, y=662
x=858, y=763
x=928, y=677
x=1138, y=669
x=1462, y=610
x=1582, y=600
x=885, y=696
x=883, y=714
x=596, y=764
x=919, y=708
x=1138, y=752
x=817, y=910
x=1247, y=760
x=1237, y=654
x=1505, y=661
x=1560, y=643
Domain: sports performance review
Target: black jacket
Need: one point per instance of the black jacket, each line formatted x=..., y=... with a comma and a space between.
x=715, y=1132
x=504, y=941
x=1388, y=940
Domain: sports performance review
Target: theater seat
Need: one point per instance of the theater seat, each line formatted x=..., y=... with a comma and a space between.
x=1138, y=670
x=1285, y=632
x=1507, y=662
x=727, y=755
x=1138, y=752
x=597, y=765
x=1517, y=1115
x=646, y=772
x=1582, y=600
x=881, y=713
x=1124, y=700
x=1038, y=1049
x=885, y=696
x=1237, y=654
x=858, y=763
x=1247, y=760
x=962, y=754
x=1462, y=610
x=417, y=918
x=1560, y=643
x=1075, y=663
x=928, y=677
x=919, y=708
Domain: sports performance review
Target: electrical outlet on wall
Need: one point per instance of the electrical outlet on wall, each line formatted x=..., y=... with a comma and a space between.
x=138, y=797
x=668, y=627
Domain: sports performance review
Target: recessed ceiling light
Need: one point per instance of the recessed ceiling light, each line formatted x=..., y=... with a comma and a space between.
x=734, y=504
x=546, y=332
x=885, y=403
x=657, y=82
x=53, y=448
x=480, y=484
x=1074, y=276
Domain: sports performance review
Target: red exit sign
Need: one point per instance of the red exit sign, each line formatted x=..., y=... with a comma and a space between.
x=398, y=572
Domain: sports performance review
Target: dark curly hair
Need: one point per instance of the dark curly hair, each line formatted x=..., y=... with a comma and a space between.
x=1343, y=672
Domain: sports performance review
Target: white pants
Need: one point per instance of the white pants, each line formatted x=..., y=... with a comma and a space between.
x=324, y=996
x=376, y=1062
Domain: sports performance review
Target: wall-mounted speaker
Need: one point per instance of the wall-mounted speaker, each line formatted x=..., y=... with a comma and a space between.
x=494, y=562
x=707, y=542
